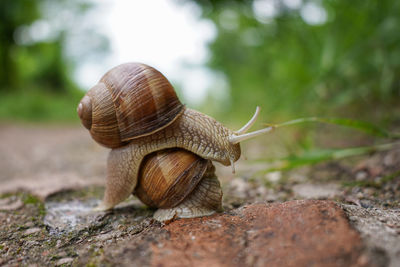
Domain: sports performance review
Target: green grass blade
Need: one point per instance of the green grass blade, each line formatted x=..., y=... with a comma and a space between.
x=363, y=126
x=317, y=156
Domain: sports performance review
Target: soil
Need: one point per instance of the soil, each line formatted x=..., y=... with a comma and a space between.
x=52, y=176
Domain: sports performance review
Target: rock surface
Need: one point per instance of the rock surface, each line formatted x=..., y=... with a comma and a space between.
x=71, y=216
x=295, y=233
x=380, y=230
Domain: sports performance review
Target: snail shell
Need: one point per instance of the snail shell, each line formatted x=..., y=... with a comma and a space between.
x=168, y=176
x=179, y=183
x=130, y=101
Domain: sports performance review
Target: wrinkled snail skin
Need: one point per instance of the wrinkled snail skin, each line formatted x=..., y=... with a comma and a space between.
x=192, y=131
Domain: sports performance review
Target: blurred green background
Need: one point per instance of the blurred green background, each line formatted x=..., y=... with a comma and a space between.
x=300, y=58
x=36, y=81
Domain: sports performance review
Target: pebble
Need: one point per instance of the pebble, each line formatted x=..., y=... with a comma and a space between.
x=29, y=224
x=366, y=204
x=31, y=231
x=389, y=159
x=353, y=218
x=361, y=175
x=105, y=237
x=382, y=220
x=240, y=187
x=31, y=243
x=360, y=195
x=64, y=261
x=273, y=177
x=316, y=190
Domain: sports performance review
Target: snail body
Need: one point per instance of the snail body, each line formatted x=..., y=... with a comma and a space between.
x=134, y=111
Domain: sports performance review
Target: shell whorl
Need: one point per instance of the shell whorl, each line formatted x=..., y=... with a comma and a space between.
x=168, y=176
x=85, y=112
x=130, y=101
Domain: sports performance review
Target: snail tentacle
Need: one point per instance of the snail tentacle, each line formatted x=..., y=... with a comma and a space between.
x=236, y=139
x=250, y=123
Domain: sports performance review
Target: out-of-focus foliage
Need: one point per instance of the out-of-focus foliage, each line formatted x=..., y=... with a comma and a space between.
x=36, y=68
x=40, y=105
x=308, y=57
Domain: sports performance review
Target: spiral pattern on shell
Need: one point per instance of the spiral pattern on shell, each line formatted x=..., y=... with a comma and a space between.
x=168, y=176
x=130, y=101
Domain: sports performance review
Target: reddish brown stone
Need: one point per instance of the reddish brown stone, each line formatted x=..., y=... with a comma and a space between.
x=295, y=233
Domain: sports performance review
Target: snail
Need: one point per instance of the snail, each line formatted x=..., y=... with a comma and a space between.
x=180, y=184
x=135, y=111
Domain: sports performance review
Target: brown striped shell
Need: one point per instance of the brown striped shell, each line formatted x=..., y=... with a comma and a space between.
x=130, y=101
x=168, y=176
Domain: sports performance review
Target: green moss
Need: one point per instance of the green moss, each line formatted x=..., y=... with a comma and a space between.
x=42, y=209
x=32, y=200
x=29, y=199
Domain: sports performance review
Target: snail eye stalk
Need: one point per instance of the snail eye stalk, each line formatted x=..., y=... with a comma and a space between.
x=250, y=123
x=234, y=139
x=241, y=134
